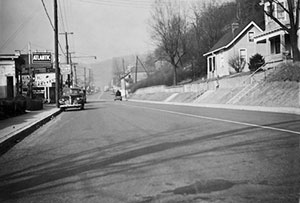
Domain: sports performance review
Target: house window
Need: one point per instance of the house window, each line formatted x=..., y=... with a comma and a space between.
x=276, y=10
x=280, y=11
x=212, y=63
x=275, y=45
x=251, y=36
x=243, y=56
x=270, y=9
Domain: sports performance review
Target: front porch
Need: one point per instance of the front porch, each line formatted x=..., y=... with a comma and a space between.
x=274, y=46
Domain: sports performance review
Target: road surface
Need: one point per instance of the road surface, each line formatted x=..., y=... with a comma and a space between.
x=126, y=151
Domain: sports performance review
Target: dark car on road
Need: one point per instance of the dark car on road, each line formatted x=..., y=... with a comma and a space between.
x=71, y=98
x=118, y=95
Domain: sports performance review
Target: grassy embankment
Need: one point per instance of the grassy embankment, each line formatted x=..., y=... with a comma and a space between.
x=280, y=88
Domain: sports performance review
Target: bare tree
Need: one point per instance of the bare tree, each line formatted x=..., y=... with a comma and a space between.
x=211, y=22
x=237, y=63
x=169, y=27
x=292, y=27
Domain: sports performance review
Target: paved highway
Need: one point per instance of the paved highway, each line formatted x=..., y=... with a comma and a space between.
x=137, y=152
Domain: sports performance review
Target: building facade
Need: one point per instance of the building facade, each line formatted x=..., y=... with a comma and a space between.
x=237, y=43
x=10, y=75
x=274, y=43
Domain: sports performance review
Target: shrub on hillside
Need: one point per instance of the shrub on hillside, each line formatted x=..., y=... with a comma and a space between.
x=256, y=61
x=237, y=63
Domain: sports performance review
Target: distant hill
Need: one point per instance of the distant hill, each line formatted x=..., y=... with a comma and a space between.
x=102, y=71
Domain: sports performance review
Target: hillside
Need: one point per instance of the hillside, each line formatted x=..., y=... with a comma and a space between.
x=280, y=88
x=103, y=71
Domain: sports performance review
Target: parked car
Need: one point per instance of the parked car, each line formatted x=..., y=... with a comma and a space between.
x=71, y=98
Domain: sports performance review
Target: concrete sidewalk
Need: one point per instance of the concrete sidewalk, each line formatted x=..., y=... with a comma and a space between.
x=16, y=128
x=288, y=110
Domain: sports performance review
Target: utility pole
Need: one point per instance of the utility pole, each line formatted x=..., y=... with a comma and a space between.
x=68, y=56
x=30, y=72
x=147, y=72
x=57, y=71
x=136, y=68
x=84, y=79
x=71, y=72
x=67, y=45
x=75, y=75
x=75, y=71
x=123, y=63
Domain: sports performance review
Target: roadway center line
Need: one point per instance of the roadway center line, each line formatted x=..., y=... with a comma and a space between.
x=219, y=119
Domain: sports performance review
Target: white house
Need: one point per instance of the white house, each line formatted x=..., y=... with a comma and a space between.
x=239, y=42
x=274, y=42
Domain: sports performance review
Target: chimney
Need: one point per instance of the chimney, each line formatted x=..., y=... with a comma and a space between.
x=234, y=27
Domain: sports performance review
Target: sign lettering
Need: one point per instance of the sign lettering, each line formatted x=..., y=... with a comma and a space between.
x=41, y=58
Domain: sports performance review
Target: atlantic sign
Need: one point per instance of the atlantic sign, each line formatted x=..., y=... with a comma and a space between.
x=44, y=57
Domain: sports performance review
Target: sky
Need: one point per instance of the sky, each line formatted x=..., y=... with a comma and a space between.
x=102, y=28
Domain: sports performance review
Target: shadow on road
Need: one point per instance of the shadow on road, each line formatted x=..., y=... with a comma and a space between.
x=111, y=159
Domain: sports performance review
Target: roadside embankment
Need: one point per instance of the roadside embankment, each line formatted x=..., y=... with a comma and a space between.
x=278, y=87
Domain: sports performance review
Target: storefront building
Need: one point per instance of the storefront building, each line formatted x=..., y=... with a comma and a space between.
x=38, y=76
x=10, y=75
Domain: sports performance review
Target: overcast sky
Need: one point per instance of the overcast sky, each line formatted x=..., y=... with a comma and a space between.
x=104, y=28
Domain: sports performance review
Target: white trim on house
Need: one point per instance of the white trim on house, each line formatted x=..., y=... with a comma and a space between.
x=234, y=39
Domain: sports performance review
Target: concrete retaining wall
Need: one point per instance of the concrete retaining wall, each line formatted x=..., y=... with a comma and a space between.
x=224, y=83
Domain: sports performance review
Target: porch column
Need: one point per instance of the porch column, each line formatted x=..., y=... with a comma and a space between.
x=208, y=73
x=268, y=50
x=282, y=43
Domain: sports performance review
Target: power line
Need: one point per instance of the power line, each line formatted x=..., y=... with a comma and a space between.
x=46, y=11
x=61, y=16
x=119, y=4
x=128, y=2
x=13, y=35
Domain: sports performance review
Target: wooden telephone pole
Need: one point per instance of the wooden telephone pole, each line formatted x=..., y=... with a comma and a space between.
x=68, y=57
x=57, y=71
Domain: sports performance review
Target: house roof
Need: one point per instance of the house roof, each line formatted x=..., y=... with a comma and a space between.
x=229, y=38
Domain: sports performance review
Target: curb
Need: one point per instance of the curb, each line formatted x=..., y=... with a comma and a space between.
x=19, y=135
x=288, y=110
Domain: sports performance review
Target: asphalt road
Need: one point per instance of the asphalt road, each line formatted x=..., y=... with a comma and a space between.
x=137, y=152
